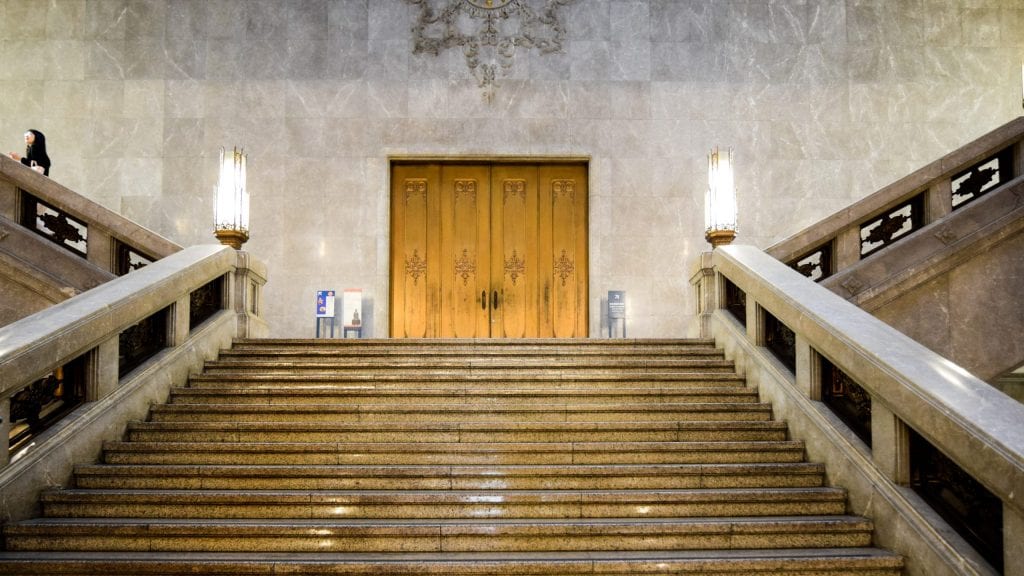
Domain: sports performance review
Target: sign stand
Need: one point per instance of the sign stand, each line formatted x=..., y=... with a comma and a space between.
x=616, y=310
x=352, y=312
x=325, y=311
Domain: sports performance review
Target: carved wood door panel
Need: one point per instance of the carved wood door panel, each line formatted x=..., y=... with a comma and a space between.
x=481, y=250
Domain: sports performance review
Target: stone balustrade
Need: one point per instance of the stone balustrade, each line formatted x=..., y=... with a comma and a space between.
x=919, y=199
x=110, y=240
x=90, y=328
x=913, y=393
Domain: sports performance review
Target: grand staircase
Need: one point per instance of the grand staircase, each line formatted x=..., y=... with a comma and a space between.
x=607, y=457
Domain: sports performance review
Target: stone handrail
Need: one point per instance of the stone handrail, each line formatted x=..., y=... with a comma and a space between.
x=842, y=229
x=90, y=326
x=911, y=388
x=106, y=228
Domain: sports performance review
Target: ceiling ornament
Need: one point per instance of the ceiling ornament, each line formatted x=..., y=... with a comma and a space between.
x=489, y=32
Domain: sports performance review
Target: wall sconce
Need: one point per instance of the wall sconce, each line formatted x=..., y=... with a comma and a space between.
x=231, y=219
x=720, y=199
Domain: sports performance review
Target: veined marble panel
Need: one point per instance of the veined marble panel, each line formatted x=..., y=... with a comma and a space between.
x=824, y=102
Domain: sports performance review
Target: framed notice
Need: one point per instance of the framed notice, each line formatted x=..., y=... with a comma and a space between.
x=352, y=307
x=325, y=303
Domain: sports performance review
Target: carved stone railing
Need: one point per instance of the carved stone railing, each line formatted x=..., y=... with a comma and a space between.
x=921, y=445
x=896, y=212
x=100, y=359
x=80, y=226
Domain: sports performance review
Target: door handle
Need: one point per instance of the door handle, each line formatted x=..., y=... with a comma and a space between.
x=494, y=300
x=483, y=300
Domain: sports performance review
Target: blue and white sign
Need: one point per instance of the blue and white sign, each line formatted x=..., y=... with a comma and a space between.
x=325, y=303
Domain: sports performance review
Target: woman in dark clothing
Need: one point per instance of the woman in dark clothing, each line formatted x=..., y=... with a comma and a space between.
x=35, y=151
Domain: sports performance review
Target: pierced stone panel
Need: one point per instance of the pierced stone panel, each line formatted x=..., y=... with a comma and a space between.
x=982, y=178
x=892, y=226
x=55, y=225
x=816, y=264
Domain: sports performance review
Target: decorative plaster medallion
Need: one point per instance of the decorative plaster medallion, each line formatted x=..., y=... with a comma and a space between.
x=853, y=285
x=489, y=4
x=489, y=32
x=947, y=236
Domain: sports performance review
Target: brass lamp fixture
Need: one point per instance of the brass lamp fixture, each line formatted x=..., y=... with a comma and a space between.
x=231, y=219
x=720, y=199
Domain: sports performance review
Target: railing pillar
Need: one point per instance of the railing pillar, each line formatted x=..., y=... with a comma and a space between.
x=178, y=326
x=847, y=248
x=1013, y=541
x=101, y=370
x=939, y=200
x=890, y=444
x=808, y=369
x=707, y=292
x=755, y=323
x=99, y=249
x=5, y=431
x=246, y=296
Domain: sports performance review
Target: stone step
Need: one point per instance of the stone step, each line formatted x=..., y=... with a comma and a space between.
x=517, y=379
x=778, y=562
x=475, y=396
x=462, y=413
x=442, y=504
x=456, y=432
x=480, y=347
x=425, y=477
x=438, y=535
x=453, y=453
x=612, y=364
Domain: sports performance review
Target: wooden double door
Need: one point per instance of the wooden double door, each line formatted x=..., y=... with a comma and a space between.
x=488, y=250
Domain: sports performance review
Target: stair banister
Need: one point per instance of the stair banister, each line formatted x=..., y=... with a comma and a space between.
x=842, y=229
x=90, y=325
x=106, y=227
x=975, y=425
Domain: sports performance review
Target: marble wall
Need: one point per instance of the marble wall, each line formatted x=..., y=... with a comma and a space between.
x=824, y=101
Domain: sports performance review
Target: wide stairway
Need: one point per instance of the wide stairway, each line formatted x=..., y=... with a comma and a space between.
x=609, y=457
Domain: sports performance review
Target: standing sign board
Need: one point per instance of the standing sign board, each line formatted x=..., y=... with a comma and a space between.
x=352, y=312
x=616, y=310
x=325, y=310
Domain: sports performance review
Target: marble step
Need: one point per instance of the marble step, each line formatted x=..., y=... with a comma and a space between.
x=457, y=364
x=456, y=432
x=453, y=453
x=405, y=535
x=479, y=348
x=462, y=413
x=425, y=477
x=515, y=379
x=790, y=562
x=442, y=504
x=474, y=396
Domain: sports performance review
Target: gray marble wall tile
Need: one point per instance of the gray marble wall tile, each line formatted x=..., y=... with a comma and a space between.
x=187, y=19
x=589, y=20
x=104, y=59
x=347, y=56
x=630, y=21
x=349, y=18
x=181, y=136
x=307, y=57
x=146, y=18
x=226, y=18
x=65, y=19
x=105, y=19
x=826, y=21
x=25, y=19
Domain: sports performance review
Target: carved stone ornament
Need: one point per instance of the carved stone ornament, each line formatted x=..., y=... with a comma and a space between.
x=489, y=32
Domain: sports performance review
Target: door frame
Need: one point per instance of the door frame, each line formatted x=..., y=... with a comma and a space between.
x=394, y=159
